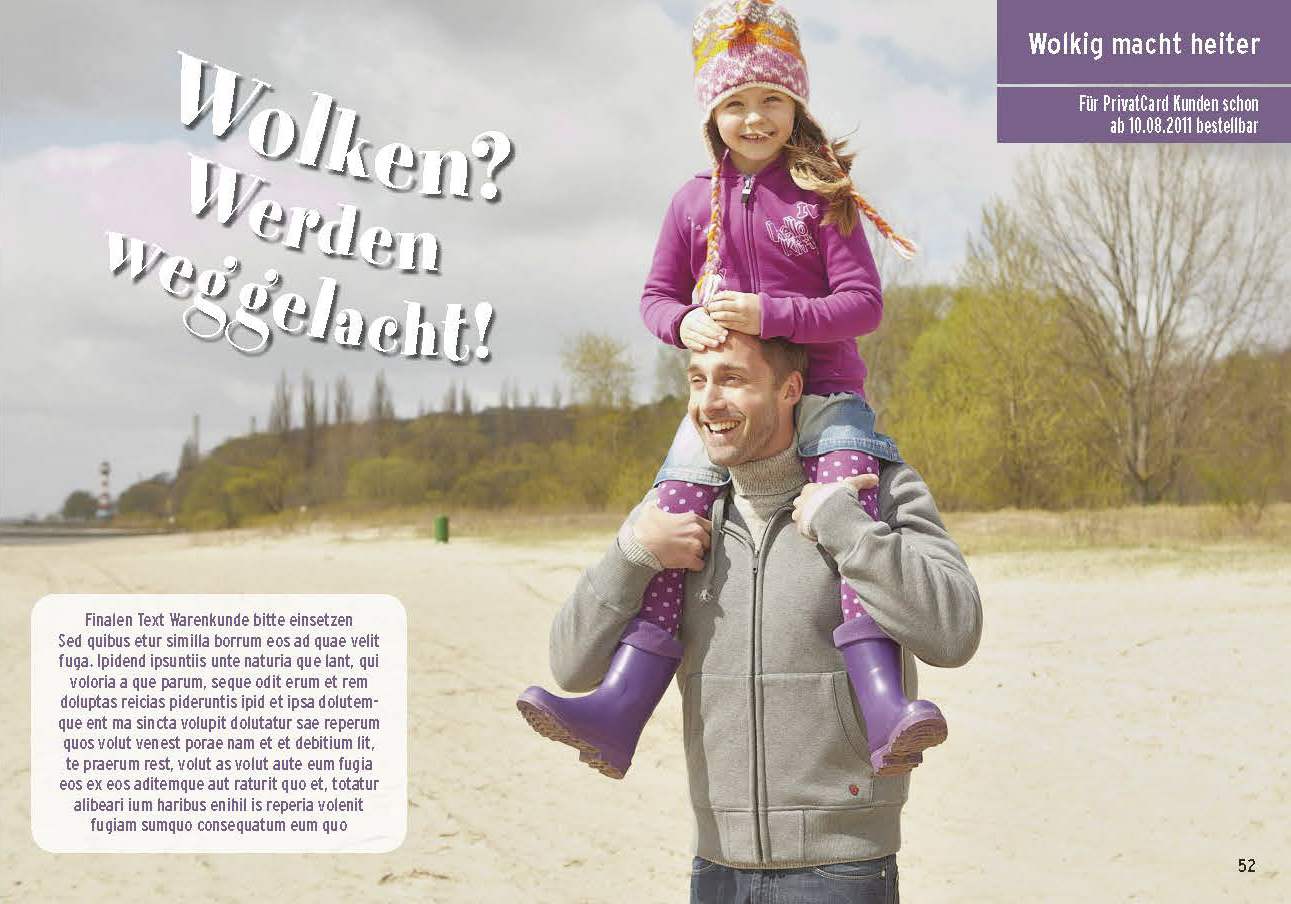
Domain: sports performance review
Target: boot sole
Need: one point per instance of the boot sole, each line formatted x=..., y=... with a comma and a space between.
x=898, y=765
x=904, y=751
x=547, y=725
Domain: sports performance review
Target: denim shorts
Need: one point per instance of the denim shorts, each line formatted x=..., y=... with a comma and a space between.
x=824, y=424
x=856, y=882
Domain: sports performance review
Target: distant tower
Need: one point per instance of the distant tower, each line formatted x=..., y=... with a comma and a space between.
x=105, y=498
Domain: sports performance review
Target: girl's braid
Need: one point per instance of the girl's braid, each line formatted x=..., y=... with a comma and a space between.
x=903, y=246
x=712, y=259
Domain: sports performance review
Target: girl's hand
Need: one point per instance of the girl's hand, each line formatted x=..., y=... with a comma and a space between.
x=740, y=311
x=699, y=333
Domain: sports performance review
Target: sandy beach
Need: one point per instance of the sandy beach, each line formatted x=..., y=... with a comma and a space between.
x=1118, y=736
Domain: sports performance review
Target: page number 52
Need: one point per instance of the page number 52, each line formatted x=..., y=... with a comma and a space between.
x=1245, y=865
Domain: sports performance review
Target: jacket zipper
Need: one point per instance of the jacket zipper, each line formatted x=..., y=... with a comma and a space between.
x=755, y=636
x=746, y=197
x=759, y=769
x=747, y=541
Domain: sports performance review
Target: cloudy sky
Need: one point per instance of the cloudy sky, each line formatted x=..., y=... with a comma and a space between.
x=595, y=97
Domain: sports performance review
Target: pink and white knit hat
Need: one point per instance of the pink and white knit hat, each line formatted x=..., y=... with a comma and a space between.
x=742, y=43
x=738, y=44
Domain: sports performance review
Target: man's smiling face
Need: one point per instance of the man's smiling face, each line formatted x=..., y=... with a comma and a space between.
x=739, y=412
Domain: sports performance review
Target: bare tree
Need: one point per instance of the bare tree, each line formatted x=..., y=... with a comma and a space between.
x=189, y=458
x=381, y=408
x=309, y=406
x=450, y=398
x=280, y=407
x=381, y=415
x=1164, y=256
x=344, y=401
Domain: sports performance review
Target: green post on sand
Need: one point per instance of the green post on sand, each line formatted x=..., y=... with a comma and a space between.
x=441, y=528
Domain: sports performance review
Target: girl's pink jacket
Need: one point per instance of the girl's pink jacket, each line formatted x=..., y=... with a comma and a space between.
x=816, y=286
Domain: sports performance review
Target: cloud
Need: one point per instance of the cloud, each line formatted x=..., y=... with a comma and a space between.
x=948, y=34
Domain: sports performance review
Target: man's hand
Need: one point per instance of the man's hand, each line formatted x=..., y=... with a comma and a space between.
x=740, y=311
x=699, y=333
x=677, y=540
x=813, y=495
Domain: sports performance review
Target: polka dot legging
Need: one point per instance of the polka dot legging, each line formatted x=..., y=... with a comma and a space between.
x=663, y=600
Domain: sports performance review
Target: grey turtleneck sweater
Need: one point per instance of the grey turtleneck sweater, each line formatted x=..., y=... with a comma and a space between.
x=763, y=486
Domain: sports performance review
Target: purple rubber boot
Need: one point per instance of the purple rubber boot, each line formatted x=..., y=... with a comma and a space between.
x=897, y=728
x=605, y=724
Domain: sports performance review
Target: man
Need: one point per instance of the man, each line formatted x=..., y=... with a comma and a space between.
x=783, y=792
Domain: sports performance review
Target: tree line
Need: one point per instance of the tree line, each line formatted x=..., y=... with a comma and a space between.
x=580, y=456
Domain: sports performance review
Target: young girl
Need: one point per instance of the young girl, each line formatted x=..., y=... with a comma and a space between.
x=775, y=222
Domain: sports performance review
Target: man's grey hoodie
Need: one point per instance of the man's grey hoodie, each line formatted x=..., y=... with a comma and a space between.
x=774, y=743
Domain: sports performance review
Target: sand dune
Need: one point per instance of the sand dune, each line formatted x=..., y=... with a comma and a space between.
x=1118, y=737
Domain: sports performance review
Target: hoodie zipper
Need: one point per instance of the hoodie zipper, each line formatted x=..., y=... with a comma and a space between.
x=759, y=768
x=746, y=540
x=746, y=197
x=761, y=841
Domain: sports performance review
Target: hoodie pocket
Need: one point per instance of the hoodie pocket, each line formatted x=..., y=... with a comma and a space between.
x=849, y=716
x=715, y=719
x=813, y=746
x=885, y=789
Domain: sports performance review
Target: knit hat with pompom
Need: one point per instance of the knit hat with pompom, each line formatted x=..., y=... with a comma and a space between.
x=754, y=43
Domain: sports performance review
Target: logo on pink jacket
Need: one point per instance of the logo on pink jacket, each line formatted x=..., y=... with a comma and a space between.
x=792, y=234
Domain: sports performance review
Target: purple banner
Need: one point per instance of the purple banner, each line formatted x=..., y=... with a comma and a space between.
x=1143, y=71
x=1080, y=114
x=1138, y=42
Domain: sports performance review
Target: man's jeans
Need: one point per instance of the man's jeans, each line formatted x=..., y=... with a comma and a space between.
x=858, y=882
